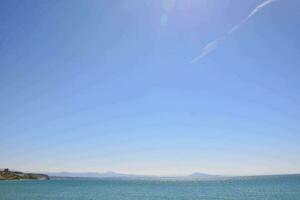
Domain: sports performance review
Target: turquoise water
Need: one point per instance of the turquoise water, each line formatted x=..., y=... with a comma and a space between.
x=258, y=188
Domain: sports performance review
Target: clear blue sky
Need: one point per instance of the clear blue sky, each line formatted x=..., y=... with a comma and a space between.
x=112, y=85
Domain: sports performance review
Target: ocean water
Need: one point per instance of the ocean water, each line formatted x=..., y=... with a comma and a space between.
x=247, y=188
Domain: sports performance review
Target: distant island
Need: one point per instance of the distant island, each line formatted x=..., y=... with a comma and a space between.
x=6, y=174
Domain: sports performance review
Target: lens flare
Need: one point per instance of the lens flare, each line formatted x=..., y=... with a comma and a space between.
x=164, y=19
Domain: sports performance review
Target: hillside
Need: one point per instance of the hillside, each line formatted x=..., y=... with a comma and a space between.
x=13, y=175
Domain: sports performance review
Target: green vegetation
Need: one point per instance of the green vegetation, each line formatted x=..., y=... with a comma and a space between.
x=12, y=175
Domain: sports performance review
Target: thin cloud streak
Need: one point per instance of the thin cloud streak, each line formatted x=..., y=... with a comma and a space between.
x=211, y=46
x=208, y=48
x=252, y=13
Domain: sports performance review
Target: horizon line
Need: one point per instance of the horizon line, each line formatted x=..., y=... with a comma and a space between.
x=158, y=175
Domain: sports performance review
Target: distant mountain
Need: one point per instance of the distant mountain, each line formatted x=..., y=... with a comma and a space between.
x=91, y=175
x=128, y=176
x=198, y=175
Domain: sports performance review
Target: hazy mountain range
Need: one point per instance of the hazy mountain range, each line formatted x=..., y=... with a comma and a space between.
x=195, y=175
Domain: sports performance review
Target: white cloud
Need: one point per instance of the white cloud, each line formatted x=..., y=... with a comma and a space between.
x=213, y=44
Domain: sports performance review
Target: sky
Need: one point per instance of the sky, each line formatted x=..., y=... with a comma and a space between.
x=154, y=87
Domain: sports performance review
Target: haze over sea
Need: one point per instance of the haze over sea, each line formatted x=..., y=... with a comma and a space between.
x=284, y=187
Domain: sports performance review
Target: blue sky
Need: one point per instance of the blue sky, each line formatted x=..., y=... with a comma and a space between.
x=124, y=86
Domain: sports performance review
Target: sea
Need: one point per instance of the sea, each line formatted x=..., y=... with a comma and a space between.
x=283, y=187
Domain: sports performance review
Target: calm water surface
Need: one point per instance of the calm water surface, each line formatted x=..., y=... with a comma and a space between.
x=258, y=188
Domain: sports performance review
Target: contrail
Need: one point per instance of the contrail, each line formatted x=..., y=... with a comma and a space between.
x=208, y=48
